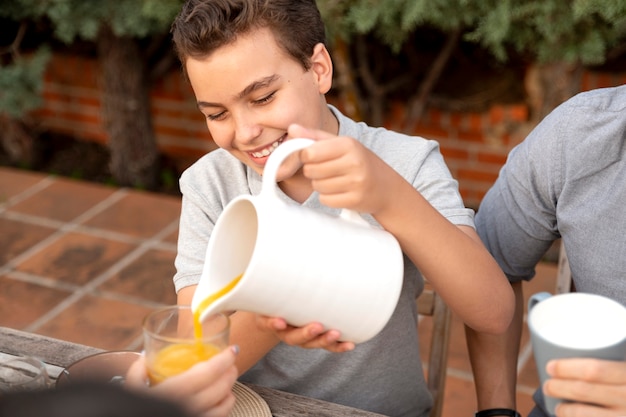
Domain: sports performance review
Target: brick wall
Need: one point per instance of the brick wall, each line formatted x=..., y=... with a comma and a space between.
x=474, y=145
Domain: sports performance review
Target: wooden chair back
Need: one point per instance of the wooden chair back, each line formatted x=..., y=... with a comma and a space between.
x=430, y=304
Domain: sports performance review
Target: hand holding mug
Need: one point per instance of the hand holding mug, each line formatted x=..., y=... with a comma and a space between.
x=594, y=387
x=590, y=328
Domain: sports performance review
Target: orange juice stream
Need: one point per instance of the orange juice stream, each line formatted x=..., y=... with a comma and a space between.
x=176, y=358
x=197, y=325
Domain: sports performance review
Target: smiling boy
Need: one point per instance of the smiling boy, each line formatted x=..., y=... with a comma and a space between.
x=260, y=70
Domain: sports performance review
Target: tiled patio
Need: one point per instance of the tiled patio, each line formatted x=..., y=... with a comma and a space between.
x=84, y=262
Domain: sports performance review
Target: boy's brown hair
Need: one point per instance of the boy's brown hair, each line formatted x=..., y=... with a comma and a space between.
x=203, y=26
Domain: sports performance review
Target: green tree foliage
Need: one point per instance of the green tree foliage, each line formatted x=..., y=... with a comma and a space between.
x=545, y=30
x=21, y=76
x=84, y=18
x=557, y=37
x=393, y=21
x=124, y=33
x=557, y=30
x=21, y=83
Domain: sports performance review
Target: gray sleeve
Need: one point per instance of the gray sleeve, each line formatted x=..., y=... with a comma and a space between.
x=436, y=184
x=517, y=217
x=207, y=187
x=194, y=230
x=420, y=162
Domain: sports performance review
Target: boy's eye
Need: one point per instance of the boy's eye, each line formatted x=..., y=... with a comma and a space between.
x=265, y=99
x=216, y=116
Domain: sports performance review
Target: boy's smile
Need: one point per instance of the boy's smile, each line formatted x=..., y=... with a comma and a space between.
x=251, y=90
x=268, y=150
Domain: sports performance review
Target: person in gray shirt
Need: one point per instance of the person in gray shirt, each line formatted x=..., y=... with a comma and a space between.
x=260, y=71
x=566, y=180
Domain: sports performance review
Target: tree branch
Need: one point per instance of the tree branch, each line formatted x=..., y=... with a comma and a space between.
x=417, y=103
x=14, y=47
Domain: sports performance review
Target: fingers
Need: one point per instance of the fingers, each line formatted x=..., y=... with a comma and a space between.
x=608, y=396
x=306, y=336
x=205, y=389
x=210, y=371
x=344, y=172
x=586, y=369
x=311, y=336
x=297, y=131
x=328, y=147
x=214, y=398
x=585, y=410
x=270, y=324
x=597, y=387
x=137, y=376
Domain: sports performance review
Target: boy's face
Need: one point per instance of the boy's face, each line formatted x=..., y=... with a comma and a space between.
x=250, y=91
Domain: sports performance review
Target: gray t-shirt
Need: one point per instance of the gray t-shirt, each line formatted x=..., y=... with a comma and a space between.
x=567, y=179
x=382, y=375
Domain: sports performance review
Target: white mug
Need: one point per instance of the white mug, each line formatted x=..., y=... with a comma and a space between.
x=301, y=264
x=575, y=325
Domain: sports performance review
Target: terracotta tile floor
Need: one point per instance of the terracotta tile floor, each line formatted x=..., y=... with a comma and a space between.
x=84, y=262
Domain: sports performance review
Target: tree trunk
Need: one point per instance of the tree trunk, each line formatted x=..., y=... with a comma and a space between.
x=126, y=111
x=17, y=141
x=549, y=85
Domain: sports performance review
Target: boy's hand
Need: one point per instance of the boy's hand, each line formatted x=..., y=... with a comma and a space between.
x=345, y=173
x=310, y=336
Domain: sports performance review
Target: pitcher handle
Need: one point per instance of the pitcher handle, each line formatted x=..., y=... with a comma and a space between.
x=537, y=298
x=269, y=188
x=276, y=159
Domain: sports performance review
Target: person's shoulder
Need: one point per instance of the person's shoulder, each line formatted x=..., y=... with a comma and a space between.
x=602, y=99
x=379, y=137
x=582, y=121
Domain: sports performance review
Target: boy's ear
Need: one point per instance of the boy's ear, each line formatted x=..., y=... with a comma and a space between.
x=322, y=67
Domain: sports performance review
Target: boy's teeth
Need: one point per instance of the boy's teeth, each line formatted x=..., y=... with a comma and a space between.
x=265, y=152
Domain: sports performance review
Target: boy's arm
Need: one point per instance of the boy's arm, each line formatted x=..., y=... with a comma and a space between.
x=452, y=258
x=253, y=342
x=494, y=361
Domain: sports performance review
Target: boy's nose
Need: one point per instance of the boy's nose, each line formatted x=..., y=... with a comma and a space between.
x=246, y=129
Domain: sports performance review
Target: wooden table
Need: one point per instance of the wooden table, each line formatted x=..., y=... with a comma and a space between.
x=58, y=354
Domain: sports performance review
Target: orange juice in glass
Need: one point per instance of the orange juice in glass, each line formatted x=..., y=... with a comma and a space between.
x=172, y=346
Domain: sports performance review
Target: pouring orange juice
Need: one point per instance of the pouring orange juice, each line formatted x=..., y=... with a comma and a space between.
x=206, y=303
x=333, y=277
x=175, y=338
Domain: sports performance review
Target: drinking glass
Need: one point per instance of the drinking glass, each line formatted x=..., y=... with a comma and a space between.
x=175, y=340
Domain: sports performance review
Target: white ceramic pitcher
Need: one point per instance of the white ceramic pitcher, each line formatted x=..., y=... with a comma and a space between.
x=301, y=264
